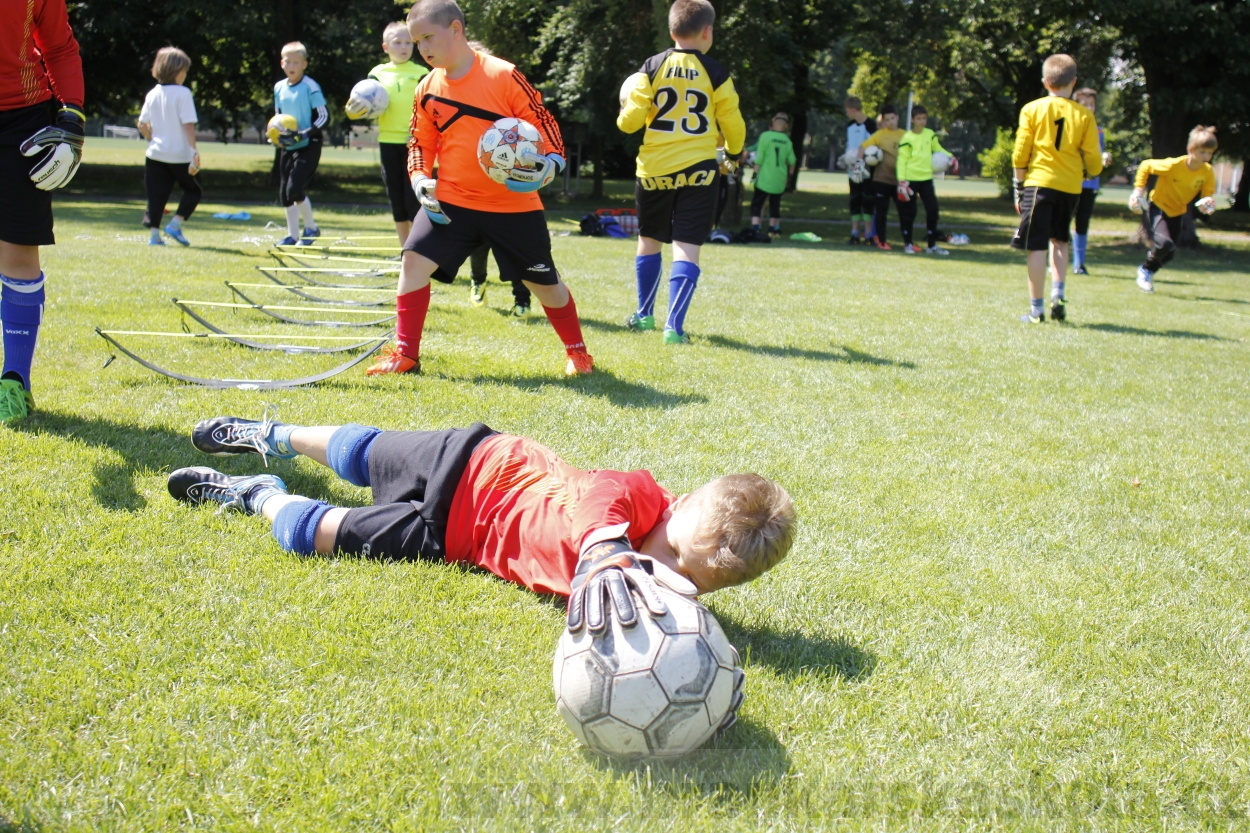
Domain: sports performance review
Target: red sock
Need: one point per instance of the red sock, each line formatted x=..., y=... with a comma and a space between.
x=410, y=310
x=566, y=324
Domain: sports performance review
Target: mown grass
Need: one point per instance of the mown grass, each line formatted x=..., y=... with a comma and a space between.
x=1018, y=599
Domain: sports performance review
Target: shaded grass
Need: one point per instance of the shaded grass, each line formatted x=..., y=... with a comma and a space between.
x=1018, y=598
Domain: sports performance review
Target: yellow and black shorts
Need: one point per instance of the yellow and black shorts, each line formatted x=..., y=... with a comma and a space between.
x=679, y=206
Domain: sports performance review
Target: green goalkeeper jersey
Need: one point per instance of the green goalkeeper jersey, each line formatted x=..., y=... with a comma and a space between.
x=400, y=81
x=915, y=155
x=774, y=154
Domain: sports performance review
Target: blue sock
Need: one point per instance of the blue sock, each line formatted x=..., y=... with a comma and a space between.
x=1079, y=242
x=295, y=525
x=647, y=268
x=683, y=278
x=279, y=439
x=1056, y=289
x=21, y=310
x=1035, y=307
x=348, y=452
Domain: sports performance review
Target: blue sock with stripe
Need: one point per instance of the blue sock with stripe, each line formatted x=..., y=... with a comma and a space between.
x=348, y=452
x=682, y=280
x=21, y=310
x=295, y=525
x=647, y=268
x=1079, y=242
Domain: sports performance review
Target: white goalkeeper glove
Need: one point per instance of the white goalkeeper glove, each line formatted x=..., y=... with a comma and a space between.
x=1106, y=159
x=611, y=577
x=904, y=191
x=523, y=180
x=425, y=190
x=1017, y=193
x=1137, y=200
x=194, y=167
x=1206, y=205
x=355, y=108
x=61, y=146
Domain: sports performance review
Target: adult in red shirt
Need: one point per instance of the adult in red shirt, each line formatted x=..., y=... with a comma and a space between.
x=41, y=134
x=499, y=502
x=465, y=93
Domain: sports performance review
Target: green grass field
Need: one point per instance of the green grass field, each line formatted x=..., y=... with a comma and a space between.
x=1018, y=599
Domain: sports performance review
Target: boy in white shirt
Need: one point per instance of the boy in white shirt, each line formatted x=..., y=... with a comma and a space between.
x=167, y=121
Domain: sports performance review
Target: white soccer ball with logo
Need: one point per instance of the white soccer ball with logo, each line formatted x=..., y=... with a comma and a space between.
x=661, y=688
x=873, y=156
x=941, y=162
x=627, y=87
x=506, y=145
x=368, y=100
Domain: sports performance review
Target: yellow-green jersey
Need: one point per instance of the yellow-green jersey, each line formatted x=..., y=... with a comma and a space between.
x=1177, y=185
x=683, y=98
x=1057, y=141
x=400, y=81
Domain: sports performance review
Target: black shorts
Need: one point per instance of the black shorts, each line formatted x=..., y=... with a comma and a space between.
x=679, y=206
x=774, y=204
x=861, y=193
x=25, y=211
x=1045, y=215
x=404, y=203
x=297, y=168
x=520, y=242
x=1085, y=209
x=413, y=475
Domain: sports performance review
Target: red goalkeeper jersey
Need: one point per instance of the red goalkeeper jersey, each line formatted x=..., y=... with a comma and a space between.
x=448, y=122
x=522, y=513
x=38, y=55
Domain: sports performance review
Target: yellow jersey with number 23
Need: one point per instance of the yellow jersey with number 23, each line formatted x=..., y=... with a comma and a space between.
x=684, y=99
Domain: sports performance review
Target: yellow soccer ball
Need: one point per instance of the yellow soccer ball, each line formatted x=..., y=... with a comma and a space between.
x=282, y=126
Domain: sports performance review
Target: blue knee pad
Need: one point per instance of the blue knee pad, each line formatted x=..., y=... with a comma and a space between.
x=295, y=525
x=348, y=452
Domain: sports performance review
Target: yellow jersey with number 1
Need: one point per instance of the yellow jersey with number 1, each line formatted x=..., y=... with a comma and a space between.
x=1057, y=141
x=683, y=98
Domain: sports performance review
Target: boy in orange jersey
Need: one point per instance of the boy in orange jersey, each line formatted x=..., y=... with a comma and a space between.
x=465, y=93
x=1180, y=180
x=1056, y=149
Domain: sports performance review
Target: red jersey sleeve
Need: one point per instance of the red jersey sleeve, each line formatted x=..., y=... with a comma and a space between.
x=56, y=44
x=632, y=498
x=528, y=104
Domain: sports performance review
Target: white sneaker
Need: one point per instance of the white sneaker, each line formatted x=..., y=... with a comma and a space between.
x=958, y=240
x=936, y=250
x=1145, y=279
x=909, y=249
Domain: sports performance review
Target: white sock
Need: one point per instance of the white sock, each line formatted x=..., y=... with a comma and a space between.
x=292, y=221
x=305, y=210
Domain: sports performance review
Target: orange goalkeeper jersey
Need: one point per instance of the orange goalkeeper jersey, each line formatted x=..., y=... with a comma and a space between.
x=448, y=122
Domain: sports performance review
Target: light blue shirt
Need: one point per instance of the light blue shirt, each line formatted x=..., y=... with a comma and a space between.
x=1095, y=182
x=299, y=100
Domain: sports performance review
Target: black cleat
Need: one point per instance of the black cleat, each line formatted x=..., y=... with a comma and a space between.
x=200, y=484
x=1058, y=309
x=226, y=435
x=1080, y=270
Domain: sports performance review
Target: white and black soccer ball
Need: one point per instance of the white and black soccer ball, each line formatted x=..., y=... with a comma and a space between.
x=873, y=156
x=658, y=689
x=628, y=85
x=505, y=145
x=373, y=96
x=941, y=162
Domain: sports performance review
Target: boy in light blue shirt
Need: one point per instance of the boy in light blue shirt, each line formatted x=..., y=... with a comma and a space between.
x=299, y=96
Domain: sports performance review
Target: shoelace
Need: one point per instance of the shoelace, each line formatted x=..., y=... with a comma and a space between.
x=14, y=401
x=206, y=490
x=252, y=436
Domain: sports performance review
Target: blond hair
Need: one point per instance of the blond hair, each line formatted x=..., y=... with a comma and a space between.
x=1202, y=137
x=1059, y=71
x=687, y=18
x=746, y=525
x=296, y=46
x=1086, y=92
x=169, y=62
x=393, y=26
x=441, y=13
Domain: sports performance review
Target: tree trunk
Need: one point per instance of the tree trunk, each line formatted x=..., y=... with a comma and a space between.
x=798, y=123
x=1241, y=201
x=596, y=154
x=1169, y=123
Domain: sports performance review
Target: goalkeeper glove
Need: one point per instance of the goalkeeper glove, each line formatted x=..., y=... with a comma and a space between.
x=904, y=191
x=355, y=108
x=1206, y=205
x=525, y=180
x=610, y=573
x=424, y=188
x=1017, y=193
x=1106, y=159
x=61, y=145
x=1137, y=200
x=194, y=167
x=727, y=164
